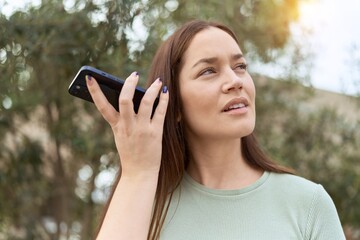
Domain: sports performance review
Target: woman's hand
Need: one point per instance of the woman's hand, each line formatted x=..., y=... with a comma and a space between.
x=138, y=137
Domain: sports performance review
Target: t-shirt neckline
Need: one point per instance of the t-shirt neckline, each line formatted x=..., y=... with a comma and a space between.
x=225, y=192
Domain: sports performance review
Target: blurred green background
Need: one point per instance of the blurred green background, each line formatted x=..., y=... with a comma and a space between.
x=57, y=156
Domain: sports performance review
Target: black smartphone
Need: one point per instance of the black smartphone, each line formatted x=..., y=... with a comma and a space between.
x=109, y=84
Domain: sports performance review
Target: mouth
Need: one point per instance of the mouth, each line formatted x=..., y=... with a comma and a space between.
x=235, y=106
x=237, y=103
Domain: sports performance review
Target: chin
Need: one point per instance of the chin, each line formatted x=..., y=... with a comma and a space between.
x=240, y=133
x=243, y=132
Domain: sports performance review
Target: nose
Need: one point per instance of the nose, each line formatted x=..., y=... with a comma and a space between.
x=232, y=81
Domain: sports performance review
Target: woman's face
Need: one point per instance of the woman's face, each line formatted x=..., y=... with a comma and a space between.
x=217, y=92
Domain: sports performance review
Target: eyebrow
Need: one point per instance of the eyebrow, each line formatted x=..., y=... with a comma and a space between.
x=214, y=59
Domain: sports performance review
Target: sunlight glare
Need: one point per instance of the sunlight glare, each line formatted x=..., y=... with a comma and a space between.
x=311, y=13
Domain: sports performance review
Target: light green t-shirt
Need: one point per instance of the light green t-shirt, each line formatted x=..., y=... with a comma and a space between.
x=275, y=207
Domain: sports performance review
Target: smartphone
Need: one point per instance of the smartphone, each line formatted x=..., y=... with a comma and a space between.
x=109, y=84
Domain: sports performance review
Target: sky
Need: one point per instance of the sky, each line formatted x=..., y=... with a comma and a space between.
x=335, y=31
x=333, y=38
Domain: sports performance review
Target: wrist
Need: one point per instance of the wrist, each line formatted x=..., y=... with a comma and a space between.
x=140, y=175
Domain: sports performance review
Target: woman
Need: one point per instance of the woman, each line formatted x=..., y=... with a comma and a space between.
x=198, y=173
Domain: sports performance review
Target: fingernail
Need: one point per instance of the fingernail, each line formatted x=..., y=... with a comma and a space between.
x=89, y=80
x=160, y=79
x=157, y=81
x=165, y=89
x=136, y=73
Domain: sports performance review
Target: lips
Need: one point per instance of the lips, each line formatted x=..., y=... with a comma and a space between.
x=236, y=103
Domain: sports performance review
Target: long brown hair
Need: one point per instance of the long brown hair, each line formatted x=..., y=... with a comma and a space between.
x=175, y=153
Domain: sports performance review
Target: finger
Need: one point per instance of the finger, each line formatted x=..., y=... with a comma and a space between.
x=102, y=104
x=126, y=105
x=147, y=102
x=160, y=112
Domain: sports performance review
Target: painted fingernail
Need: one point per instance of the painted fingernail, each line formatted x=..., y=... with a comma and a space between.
x=165, y=89
x=89, y=79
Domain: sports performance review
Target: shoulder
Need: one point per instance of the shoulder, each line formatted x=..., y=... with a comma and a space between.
x=295, y=192
x=321, y=220
x=294, y=185
x=300, y=188
x=292, y=180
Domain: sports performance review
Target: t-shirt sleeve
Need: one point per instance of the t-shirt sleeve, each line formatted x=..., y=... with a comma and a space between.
x=323, y=221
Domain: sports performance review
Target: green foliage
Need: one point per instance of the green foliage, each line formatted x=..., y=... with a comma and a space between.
x=55, y=148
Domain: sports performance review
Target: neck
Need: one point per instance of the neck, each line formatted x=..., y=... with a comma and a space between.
x=220, y=165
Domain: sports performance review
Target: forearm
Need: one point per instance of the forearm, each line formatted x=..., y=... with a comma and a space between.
x=130, y=209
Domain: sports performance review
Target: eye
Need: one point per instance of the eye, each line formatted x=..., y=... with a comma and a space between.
x=241, y=66
x=207, y=71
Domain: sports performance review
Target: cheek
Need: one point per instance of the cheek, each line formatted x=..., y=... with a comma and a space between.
x=251, y=91
x=193, y=102
x=254, y=93
x=196, y=106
